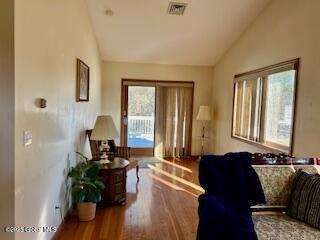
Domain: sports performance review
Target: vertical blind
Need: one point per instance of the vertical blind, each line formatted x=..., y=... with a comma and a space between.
x=264, y=103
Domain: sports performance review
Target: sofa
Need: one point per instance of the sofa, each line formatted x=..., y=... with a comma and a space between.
x=271, y=222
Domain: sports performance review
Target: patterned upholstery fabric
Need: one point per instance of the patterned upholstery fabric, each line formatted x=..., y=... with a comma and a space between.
x=305, y=198
x=282, y=227
x=276, y=182
x=312, y=169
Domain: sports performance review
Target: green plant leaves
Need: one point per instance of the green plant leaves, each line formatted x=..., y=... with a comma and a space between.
x=100, y=185
x=74, y=173
x=78, y=194
x=93, y=170
x=85, y=184
x=94, y=196
x=89, y=185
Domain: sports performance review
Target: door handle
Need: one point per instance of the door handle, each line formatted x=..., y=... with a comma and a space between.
x=125, y=118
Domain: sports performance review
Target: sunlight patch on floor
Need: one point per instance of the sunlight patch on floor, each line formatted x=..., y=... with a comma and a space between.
x=169, y=184
x=175, y=165
x=181, y=180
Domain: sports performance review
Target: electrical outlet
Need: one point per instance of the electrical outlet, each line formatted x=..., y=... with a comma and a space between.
x=58, y=212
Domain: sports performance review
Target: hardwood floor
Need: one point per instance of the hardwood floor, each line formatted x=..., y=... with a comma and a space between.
x=162, y=206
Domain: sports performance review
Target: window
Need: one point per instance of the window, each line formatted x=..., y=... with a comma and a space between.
x=264, y=101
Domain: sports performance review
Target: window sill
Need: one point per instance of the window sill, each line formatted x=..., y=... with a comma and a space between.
x=266, y=147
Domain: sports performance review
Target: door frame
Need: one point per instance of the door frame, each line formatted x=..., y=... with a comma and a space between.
x=125, y=83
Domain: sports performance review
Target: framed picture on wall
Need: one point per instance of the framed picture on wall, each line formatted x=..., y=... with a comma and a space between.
x=83, y=82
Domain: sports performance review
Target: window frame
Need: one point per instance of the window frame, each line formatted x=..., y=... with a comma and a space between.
x=263, y=73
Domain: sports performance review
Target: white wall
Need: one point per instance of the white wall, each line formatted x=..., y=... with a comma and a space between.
x=286, y=29
x=50, y=35
x=113, y=72
x=6, y=116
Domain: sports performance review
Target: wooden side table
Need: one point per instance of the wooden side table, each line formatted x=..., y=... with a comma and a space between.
x=114, y=176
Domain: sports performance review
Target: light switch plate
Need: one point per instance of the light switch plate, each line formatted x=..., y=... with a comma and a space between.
x=27, y=138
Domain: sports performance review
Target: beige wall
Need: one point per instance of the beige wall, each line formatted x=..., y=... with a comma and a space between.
x=50, y=35
x=6, y=116
x=286, y=29
x=113, y=72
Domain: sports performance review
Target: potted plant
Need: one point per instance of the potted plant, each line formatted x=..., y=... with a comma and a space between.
x=86, y=187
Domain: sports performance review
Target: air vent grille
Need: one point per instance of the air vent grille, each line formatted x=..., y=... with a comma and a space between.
x=177, y=8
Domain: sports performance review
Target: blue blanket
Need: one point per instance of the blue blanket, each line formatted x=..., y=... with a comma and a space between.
x=231, y=187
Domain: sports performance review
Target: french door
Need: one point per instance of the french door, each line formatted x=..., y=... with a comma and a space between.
x=138, y=119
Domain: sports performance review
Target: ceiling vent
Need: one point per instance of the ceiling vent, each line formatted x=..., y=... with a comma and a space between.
x=177, y=8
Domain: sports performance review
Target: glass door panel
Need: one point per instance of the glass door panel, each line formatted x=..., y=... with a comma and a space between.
x=141, y=117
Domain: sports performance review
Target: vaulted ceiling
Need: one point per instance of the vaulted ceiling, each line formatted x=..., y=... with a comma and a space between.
x=142, y=31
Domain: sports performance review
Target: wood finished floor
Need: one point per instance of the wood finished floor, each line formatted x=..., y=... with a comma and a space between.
x=162, y=206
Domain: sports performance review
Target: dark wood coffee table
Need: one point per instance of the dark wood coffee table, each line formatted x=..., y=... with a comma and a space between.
x=114, y=176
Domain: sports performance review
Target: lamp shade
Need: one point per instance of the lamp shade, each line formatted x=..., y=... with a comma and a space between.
x=204, y=113
x=104, y=129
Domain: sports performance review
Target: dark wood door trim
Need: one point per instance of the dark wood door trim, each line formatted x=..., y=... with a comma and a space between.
x=124, y=115
x=124, y=103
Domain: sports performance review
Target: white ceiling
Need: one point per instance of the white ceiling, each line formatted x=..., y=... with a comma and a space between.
x=142, y=31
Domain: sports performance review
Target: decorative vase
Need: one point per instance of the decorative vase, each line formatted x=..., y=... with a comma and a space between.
x=86, y=211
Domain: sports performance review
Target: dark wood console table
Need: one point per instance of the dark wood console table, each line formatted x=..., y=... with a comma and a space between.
x=114, y=176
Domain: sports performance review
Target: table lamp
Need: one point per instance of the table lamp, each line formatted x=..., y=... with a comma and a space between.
x=104, y=130
x=204, y=114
